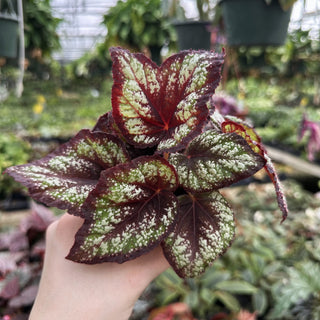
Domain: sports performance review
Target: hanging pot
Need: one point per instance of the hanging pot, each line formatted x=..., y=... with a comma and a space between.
x=155, y=52
x=254, y=23
x=8, y=35
x=193, y=35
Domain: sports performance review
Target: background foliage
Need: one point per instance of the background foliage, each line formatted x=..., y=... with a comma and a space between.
x=40, y=27
x=271, y=269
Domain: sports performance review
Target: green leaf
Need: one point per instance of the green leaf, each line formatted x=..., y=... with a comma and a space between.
x=192, y=299
x=207, y=296
x=236, y=286
x=260, y=302
x=212, y=277
x=228, y=300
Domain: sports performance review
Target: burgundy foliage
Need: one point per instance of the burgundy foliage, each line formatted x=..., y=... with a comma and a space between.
x=313, y=128
x=149, y=171
x=21, y=260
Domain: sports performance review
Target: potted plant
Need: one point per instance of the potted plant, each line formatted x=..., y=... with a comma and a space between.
x=256, y=22
x=193, y=33
x=41, y=26
x=138, y=25
x=8, y=29
x=149, y=172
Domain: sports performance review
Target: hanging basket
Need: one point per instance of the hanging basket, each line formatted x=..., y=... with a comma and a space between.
x=193, y=35
x=8, y=35
x=254, y=23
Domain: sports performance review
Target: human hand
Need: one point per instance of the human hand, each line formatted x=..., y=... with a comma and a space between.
x=70, y=290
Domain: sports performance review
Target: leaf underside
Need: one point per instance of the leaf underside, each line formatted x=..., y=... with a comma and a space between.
x=215, y=160
x=166, y=105
x=65, y=177
x=131, y=211
x=204, y=231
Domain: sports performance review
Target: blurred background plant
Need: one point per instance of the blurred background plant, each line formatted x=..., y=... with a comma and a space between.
x=298, y=56
x=138, y=25
x=40, y=35
x=272, y=270
x=13, y=151
x=40, y=28
x=21, y=261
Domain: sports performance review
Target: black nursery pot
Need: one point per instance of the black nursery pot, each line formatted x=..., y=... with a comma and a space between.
x=8, y=36
x=15, y=201
x=193, y=35
x=254, y=23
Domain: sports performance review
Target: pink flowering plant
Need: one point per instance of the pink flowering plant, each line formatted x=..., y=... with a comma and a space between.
x=149, y=172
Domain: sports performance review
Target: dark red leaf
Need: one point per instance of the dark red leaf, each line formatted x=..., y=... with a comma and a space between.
x=204, y=231
x=65, y=177
x=215, y=160
x=25, y=298
x=131, y=210
x=9, y=260
x=39, y=219
x=104, y=123
x=14, y=241
x=107, y=124
x=10, y=289
x=166, y=105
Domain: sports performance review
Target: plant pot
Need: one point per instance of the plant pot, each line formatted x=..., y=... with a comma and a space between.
x=14, y=202
x=254, y=23
x=8, y=35
x=193, y=35
x=155, y=52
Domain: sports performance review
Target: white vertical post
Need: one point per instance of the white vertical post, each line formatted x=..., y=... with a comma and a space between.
x=19, y=88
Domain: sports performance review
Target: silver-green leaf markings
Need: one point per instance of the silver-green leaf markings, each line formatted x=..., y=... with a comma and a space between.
x=214, y=160
x=166, y=105
x=204, y=231
x=65, y=177
x=131, y=210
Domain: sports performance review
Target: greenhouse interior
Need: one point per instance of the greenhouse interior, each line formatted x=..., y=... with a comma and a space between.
x=160, y=159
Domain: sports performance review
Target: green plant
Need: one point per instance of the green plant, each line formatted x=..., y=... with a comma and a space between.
x=65, y=111
x=298, y=56
x=282, y=99
x=13, y=151
x=149, y=172
x=40, y=27
x=138, y=25
x=213, y=292
x=92, y=65
x=300, y=297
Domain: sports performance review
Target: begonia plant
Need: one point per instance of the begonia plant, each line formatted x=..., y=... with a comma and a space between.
x=149, y=172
